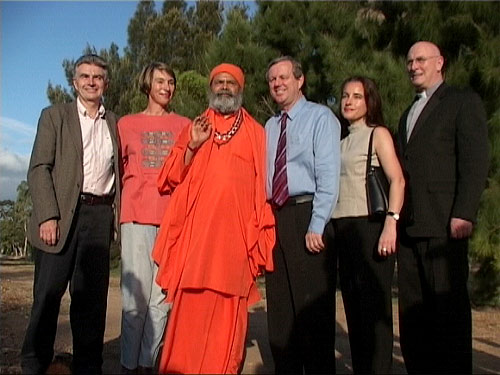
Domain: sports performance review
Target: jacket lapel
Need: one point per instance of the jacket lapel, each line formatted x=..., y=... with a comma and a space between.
x=434, y=100
x=75, y=129
x=402, y=129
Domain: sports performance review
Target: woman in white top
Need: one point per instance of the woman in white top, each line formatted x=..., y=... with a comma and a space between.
x=366, y=245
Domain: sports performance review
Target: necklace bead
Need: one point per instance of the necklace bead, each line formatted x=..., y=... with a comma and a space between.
x=221, y=138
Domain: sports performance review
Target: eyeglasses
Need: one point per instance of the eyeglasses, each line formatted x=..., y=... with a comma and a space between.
x=420, y=60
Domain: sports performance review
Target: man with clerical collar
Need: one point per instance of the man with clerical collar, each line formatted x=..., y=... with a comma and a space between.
x=73, y=179
x=217, y=233
x=443, y=148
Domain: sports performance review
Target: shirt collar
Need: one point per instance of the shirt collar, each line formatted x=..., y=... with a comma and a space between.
x=431, y=90
x=83, y=111
x=295, y=109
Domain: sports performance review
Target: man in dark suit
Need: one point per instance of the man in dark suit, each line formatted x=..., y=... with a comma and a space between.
x=73, y=179
x=443, y=146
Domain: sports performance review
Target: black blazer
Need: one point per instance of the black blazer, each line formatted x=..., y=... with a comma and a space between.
x=445, y=162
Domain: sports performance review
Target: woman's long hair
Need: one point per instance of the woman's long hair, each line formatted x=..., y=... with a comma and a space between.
x=374, y=116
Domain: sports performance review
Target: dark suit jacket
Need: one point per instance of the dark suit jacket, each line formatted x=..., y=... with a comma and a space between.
x=445, y=162
x=55, y=174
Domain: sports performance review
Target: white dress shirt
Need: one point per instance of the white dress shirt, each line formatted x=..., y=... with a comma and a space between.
x=98, y=173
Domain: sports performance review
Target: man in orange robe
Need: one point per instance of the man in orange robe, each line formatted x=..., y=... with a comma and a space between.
x=217, y=233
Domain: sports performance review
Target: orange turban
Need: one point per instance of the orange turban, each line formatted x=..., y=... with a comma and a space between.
x=234, y=70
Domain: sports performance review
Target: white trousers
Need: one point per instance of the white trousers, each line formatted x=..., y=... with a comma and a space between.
x=144, y=311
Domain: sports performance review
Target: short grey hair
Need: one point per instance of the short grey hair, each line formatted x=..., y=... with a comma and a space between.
x=92, y=59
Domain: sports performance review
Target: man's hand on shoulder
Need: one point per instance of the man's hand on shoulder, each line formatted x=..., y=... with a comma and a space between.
x=49, y=232
x=314, y=242
x=460, y=228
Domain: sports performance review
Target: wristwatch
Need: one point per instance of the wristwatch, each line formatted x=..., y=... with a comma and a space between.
x=394, y=215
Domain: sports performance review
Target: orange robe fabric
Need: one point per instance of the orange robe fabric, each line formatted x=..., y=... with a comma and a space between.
x=206, y=334
x=216, y=236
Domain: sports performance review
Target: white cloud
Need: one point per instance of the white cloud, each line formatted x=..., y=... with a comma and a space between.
x=13, y=169
x=17, y=126
x=16, y=139
x=16, y=136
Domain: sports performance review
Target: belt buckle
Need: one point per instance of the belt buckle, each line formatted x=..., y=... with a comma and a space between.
x=89, y=199
x=302, y=199
x=86, y=198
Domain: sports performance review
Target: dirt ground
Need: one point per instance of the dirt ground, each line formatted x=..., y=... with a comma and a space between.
x=16, y=296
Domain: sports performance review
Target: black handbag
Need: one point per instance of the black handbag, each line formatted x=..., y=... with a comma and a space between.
x=377, y=187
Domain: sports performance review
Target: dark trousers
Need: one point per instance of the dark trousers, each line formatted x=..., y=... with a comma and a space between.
x=365, y=281
x=435, y=315
x=84, y=263
x=301, y=298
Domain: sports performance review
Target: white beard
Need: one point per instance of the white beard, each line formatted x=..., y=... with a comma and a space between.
x=223, y=103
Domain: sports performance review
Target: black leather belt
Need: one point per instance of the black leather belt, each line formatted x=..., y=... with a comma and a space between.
x=296, y=200
x=92, y=200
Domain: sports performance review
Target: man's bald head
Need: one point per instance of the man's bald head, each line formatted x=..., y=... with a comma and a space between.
x=425, y=65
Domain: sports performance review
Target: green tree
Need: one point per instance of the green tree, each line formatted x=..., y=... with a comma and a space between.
x=58, y=94
x=14, y=223
x=22, y=209
x=485, y=243
x=7, y=227
x=136, y=48
x=166, y=39
x=178, y=4
x=206, y=23
x=191, y=95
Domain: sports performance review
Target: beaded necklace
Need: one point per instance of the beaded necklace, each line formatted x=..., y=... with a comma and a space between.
x=222, y=138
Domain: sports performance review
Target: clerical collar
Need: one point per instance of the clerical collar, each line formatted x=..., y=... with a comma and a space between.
x=430, y=91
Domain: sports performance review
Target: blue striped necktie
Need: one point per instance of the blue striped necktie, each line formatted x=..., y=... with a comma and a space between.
x=280, y=183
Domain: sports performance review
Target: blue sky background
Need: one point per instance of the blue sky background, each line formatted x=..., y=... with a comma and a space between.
x=35, y=37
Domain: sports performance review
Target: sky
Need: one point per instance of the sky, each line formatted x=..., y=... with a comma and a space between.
x=35, y=37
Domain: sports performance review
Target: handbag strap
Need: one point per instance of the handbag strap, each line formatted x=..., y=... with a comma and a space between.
x=369, y=157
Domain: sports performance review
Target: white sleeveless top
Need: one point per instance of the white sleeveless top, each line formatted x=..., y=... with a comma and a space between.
x=354, y=151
